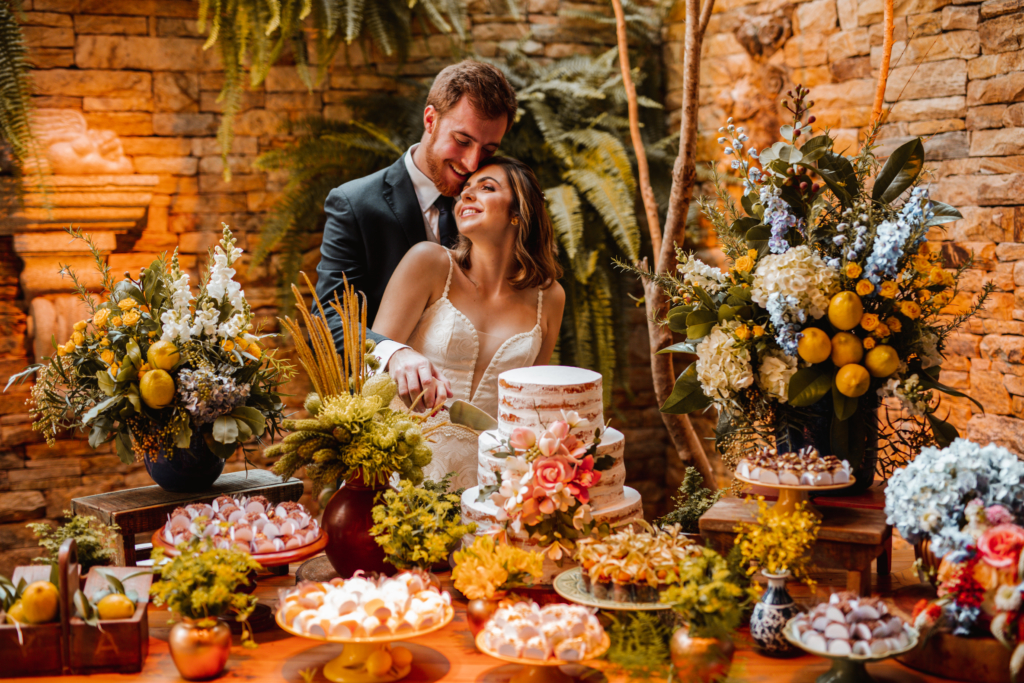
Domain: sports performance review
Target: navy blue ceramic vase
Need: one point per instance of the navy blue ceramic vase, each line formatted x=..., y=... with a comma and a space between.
x=187, y=470
x=770, y=615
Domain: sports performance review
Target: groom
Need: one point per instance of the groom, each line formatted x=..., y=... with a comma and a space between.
x=373, y=221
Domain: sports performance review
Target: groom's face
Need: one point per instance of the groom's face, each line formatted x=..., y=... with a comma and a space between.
x=456, y=143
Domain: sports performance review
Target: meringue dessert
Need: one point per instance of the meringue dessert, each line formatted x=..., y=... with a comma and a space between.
x=630, y=566
x=806, y=467
x=524, y=630
x=253, y=525
x=848, y=625
x=361, y=606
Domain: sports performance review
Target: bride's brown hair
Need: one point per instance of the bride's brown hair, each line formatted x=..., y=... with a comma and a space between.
x=535, y=256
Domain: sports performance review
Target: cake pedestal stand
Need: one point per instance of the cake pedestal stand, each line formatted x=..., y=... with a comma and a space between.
x=847, y=668
x=350, y=665
x=537, y=671
x=791, y=496
x=569, y=585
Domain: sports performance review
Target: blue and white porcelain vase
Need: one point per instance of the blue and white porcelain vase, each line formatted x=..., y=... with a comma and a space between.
x=770, y=615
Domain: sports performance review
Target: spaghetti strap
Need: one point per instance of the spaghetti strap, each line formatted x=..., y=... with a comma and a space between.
x=451, y=269
x=540, y=304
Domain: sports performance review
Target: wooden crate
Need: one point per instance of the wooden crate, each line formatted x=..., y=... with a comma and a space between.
x=39, y=651
x=123, y=644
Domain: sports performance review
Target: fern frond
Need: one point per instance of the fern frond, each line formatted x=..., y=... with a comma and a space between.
x=609, y=196
x=600, y=300
x=564, y=209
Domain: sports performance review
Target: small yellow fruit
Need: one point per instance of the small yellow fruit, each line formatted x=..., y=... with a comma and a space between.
x=157, y=389
x=163, y=355
x=814, y=345
x=882, y=361
x=401, y=656
x=378, y=663
x=846, y=348
x=115, y=606
x=852, y=380
x=16, y=614
x=39, y=602
x=845, y=310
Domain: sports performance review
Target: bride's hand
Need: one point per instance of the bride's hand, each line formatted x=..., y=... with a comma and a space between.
x=416, y=375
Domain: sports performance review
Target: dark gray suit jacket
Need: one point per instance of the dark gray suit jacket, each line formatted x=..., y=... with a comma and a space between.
x=371, y=223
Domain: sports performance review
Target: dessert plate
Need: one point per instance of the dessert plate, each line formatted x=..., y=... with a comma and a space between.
x=283, y=557
x=540, y=671
x=569, y=585
x=847, y=668
x=790, y=496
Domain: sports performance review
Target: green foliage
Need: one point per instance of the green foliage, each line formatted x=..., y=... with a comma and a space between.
x=15, y=95
x=710, y=595
x=639, y=644
x=418, y=526
x=94, y=539
x=691, y=502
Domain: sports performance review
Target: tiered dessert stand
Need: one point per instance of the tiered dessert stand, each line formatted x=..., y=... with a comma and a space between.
x=847, y=668
x=541, y=671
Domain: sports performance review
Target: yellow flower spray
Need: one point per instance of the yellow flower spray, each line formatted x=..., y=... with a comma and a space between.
x=779, y=541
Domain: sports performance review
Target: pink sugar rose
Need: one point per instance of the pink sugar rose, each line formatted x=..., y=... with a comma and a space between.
x=1001, y=545
x=559, y=429
x=523, y=439
x=585, y=479
x=551, y=474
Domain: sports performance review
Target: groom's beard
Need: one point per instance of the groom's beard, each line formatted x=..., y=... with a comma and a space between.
x=449, y=184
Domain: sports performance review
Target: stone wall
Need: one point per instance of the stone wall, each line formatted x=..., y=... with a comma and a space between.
x=959, y=82
x=138, y=69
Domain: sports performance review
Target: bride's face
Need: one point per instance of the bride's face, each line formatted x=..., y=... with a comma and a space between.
x=483, y=205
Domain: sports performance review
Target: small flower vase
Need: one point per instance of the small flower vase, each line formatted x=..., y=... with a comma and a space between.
x=200, y=652
x=700, y=660
x=480, y=611
x=770, y=615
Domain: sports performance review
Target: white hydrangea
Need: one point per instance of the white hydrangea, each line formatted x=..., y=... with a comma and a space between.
x=774, y=374
x=696, y=273
x=723, y=365
x=797, y=275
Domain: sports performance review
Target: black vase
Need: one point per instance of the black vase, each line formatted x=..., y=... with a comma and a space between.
x=854, y=439
x=187, y=470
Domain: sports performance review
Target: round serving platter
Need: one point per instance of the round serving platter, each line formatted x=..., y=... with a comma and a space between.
x=278, y=559
x=847, y=668
x=542, y=671
x=569, y=585
x=791, y=496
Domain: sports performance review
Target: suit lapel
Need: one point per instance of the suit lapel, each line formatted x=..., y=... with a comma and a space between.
x=401, y=197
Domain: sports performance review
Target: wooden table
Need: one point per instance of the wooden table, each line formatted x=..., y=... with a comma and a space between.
x=145, y=509
x=849, y=538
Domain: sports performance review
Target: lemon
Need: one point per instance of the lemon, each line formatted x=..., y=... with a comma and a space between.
x=852, y=380
x=814, y=345
x=882, y=361
x=16, y=613
x=162, y=355
x=378, y=663
x=846, y=348
x=845, y=310
x=115, y=606
x=157, y=389
x=39, y=602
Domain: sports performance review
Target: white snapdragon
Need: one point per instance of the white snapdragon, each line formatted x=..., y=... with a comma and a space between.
x=777, y=368
x=205, y=322
x=696, y=273
x=231, y=327
x=175, y=326
x=723, y=365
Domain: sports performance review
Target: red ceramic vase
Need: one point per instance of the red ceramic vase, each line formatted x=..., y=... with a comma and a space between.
x=347, y=520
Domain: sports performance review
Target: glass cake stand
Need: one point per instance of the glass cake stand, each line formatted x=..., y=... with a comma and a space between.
x=790, y=496
x=847, y=668
x=350, y=665
x=538, y=671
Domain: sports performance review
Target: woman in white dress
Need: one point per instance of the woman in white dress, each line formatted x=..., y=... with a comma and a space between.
x=491, y=304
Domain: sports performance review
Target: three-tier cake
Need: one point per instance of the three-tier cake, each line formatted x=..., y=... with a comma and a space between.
x=533, y=399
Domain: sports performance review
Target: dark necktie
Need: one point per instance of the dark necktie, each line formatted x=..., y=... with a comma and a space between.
x=447, y=232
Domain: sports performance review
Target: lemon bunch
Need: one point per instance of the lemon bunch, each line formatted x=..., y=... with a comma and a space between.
x=36, y=603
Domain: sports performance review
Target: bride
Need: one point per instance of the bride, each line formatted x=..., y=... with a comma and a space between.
x=491, y=304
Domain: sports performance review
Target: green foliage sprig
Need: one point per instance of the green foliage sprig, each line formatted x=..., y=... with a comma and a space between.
x=418, y=527
x=691, y=502
x=639, y=644
x=202, y=583
x=95, y=540
x=710, y=596
x=15, y=88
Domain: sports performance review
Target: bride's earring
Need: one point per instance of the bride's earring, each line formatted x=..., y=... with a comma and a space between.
x=515, y=220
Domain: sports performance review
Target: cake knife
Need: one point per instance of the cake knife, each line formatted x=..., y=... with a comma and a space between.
x=468, y=415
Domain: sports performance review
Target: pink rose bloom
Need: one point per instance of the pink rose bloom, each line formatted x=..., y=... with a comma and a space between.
x=576, y=448
x=1001, y=545
x=559, y=429
x=585, y=479
x=523, y=439
x=997, y=514
x=551, y=474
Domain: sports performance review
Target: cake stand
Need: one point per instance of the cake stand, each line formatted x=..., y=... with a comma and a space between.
x=537, y=671
x=350, y=665
x=569, y=585
x=847, y=668
x=790, y=496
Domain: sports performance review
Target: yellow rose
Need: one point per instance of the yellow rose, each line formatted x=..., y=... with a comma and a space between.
x=743, y=332
x=881, y=331
x=70, y=346
x=758, y=331
x=113, y=370
x=864, y=287
x=894, y=324
x=116, y=322
x=941, y=299
x=853, y=271
x=910, y=309
x=107, y=357
x=127, y=304
x=61, y=351
x=936, y=276
x=131, y=317
x=241, y=343
x=744, y=264
x=227, y=345
x=99, y=318
x=869, y=321
x=80, y=326
x=78, y=338
x=104, y=342
x=889, y=289
x=869, y=343
x=922, y=264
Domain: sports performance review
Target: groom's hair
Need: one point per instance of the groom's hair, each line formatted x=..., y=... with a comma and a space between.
x=488, y=91
x=535, y=255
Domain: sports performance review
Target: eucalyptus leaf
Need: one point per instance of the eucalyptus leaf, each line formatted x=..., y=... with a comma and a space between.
x=943, y=213
x=899, y=172
x=677, y=318
x=124, y=448
x=107, y=384
x=790, y=155
x=740, y=292
x=94, y=412
x=1017, y=661
x=183, y=439
x=837, y=173
x=787, y=132
x=134, y=353
x=115, y=583
x=687, y=395
x=23, y=375
x=221, y=450
x=944, y=432
x=99, y=433
x=757, y=238
x=843, y=405
x=681, y=347
x=704, y=297
x=253, y=418
x=726, y=312
x=127, y=373
x=133, y=397
x=225, y=430
x=807, y=386
x=747, y=201
x=243, y=431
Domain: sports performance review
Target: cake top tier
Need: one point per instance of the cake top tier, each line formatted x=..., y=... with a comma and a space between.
x=533, y=397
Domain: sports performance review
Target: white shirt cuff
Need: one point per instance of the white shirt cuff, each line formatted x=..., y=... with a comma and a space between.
x=385, y=349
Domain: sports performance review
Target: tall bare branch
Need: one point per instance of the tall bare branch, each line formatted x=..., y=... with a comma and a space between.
x=883, y=69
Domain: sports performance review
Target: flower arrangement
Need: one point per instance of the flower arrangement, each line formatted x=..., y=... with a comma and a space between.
x=928, y=498
x=418, y=526
x=202, y=583
x=544, y=488
x=155, y=367
x=779, y=541
x=94, y=540
x=353, y=433
x=832, y=295
x=486, y=568
x=709, y=596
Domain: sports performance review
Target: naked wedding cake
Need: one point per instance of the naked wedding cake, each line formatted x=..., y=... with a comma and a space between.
x=550, y=460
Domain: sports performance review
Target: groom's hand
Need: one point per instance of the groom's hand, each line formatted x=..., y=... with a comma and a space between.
x=416, y=375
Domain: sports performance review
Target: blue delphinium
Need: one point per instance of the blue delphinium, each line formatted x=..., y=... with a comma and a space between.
x=787, y=318
x=894, y=238
x=779, y=217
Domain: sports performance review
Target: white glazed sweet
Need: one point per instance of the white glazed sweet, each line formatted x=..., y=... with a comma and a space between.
x=524, y=630
x=253, y=524
x=850, y=625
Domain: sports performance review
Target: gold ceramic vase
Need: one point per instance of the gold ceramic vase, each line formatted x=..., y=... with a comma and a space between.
x=200, y=653
x=480, y=611
x=700, y=660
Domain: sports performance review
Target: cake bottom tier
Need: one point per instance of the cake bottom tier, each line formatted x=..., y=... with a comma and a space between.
x=624, y=511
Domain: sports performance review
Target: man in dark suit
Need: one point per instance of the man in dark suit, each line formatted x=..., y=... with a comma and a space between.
x=373, y=221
